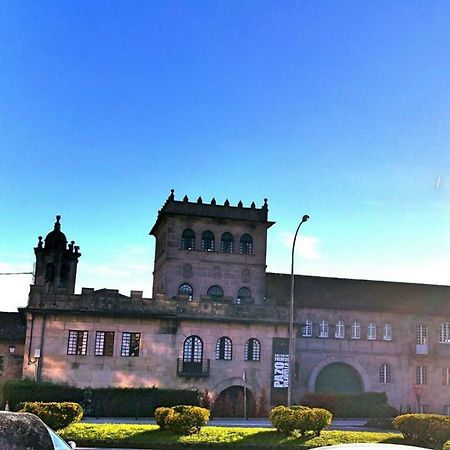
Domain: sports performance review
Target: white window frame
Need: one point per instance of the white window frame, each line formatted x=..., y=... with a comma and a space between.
x=421, y=375
x=339, y=330
x=323, y=329
x=372, y=331
x=444, y=333
x=307, y=328
x=385, y=374
x=356, y=330
x=421, y=334
x=387, y=332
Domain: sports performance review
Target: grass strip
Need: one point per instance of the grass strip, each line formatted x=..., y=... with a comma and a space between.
x=218, y=438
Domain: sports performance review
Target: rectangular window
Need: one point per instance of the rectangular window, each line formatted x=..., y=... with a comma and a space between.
x=421, y=335
x=307, y=328
x=2, y=365
x=421, y=375
x=77, y=344
x=446, y=376
x=104, y=343
x=130, y=344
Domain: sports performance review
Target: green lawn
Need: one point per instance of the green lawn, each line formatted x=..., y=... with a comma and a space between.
x=149, y=436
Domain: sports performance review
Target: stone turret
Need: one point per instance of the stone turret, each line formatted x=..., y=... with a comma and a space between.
x=56, y=262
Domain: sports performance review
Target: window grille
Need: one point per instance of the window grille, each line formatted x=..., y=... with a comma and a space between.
x=307, y=328
x=385, y=374
x=104, y=343
x=130, y=344
x=224, y=348
x=323, y=329
x=339, y=331
x=372, y=331
x=77, y=344
x=246, y=245
x=252, y=350
x=356, y=330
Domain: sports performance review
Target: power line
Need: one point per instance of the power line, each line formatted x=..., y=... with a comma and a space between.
x=16, y=273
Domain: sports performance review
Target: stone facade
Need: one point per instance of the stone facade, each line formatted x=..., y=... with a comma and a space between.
x=352, y=335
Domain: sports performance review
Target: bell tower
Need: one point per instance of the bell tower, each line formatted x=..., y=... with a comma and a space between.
x=56, y=262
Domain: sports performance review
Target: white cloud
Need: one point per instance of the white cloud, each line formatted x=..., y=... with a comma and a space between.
x=305, y=246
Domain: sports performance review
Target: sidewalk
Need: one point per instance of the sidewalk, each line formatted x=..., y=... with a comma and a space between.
x=337, y=424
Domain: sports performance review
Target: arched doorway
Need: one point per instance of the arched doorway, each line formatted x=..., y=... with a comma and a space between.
x=338, y=378
x=230, y=403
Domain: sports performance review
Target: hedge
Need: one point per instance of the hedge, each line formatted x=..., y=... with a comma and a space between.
x=100, y=402
x=424, y=429
x=182, y=419
x=345, y=405
x=56, y=415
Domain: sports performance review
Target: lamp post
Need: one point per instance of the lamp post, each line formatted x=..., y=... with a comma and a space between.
x=291, y=320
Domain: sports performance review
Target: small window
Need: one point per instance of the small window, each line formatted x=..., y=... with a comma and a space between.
x=224, y=348
x=77, y=344
x=227, y=243
x=356, y=330
x=323, y=329
x=244, y=296
x=185, y=289
x=444, y=333
x=385, y=374
x=446, y=376
x=188, y=240
x=246, y=245
x=421, y=375
x=193, y=349
x=104, y=343
x=215, y=293
x=372, y=331
x=307, y=328
x=387, y=332
x=339, y=331
x=252, y=350
x=207, y=244
x=130, y=344
x=421, y=335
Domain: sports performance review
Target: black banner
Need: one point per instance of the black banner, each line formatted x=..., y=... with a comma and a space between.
x=280, y=371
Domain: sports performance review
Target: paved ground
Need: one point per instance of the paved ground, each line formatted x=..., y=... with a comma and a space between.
x=338, y=424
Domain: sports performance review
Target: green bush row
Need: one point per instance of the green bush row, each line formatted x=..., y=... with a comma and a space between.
x=300, y=419
x=181, y=419
x=101, y=402
x=345, y=405
x=56, y=415
x=430, y=430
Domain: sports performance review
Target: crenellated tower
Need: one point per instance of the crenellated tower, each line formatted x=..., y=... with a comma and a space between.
x=56, y=262
x=210, y=252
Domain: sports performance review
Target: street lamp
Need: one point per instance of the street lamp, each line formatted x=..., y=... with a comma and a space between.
x=291, y=320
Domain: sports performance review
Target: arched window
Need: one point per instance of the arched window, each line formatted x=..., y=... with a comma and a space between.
x=323, y=329
x=307, y=328
x=186, y=289
x=246, y=245
x=339, y=331
x=387, y=332
x=227, y=243
x=252, y=350
x=188, y=240
x=371, y=331
x=385, y=374
x=244, y=296
x=224, y=348
x=444, y=333
x=215, y=293
x=193, y=350
x=207, y=244
x=356, y=330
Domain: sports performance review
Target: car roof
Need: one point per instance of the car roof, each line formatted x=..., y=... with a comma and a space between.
x=23, y=430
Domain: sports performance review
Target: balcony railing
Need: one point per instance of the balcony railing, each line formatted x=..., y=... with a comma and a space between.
x=193, y=369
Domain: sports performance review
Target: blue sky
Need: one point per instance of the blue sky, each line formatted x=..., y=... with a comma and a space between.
x=337, y=109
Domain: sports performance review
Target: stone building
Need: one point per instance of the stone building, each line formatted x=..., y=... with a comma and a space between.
x=218, y=321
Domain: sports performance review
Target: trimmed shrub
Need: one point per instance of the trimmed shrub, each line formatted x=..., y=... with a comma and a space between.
x=380, y=416
x=300, y=419
x=55, y=415
x=125, y=402
x=182, y=419
x=345, y=405
x=424, y=429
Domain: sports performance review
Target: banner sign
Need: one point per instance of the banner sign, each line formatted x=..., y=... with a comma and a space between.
x=280, y=370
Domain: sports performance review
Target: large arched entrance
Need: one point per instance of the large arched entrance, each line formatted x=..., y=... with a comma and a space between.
x=338, y=378
x=230, y=403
